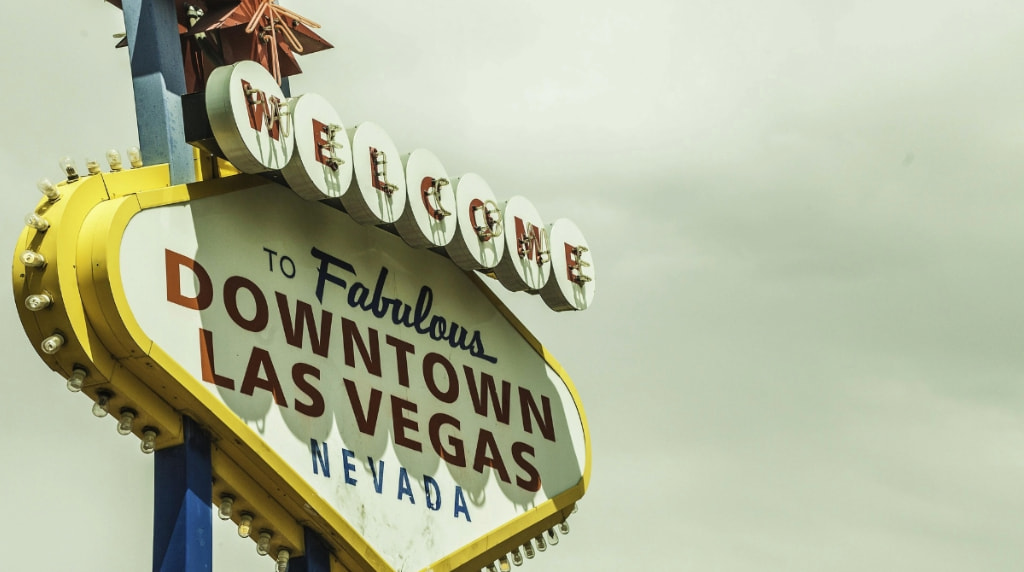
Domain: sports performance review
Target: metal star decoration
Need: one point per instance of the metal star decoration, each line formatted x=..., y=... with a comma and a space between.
x=220, y=32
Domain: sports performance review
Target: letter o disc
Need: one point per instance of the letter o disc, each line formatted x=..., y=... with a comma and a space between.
x=321, y=166
x=471, y=251
x=527, y=261
x=248, y=133
x=573, y=278
x=430, y=216
x=377, y=193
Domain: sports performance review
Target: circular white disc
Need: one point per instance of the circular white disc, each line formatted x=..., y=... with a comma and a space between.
x=429, y=219
x=527, y=261
x=573, y=278
x=321, y=166
x=377, y=194
x=473, y=196
x=241, y=103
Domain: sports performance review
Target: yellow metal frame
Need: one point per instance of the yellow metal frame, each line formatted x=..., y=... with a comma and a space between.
x=82, y=248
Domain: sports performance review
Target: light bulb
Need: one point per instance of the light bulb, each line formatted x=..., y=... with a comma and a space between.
x=52, y=344
x=37, y=302
x=92, y=166
x=503, y=565
x=552, y=537
x=77, y=379
x=149, y=435
x=244, y=524
x=575, y=508
x=282, y=560
x=227, y=502
x=263, y=544
x=67, y=164
x=517, y=557
x=542, y=544
x=127, y=421
x=48, y=189
x=102, y=405
x=32, y=259
x=528, y=549
x=114, y=160
x=564, y=528
x=134, y=157
x=32, y=220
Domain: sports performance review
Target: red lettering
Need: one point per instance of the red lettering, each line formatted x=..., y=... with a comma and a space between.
x=293, y=331
x=529, y=405
x=519, y=450
x=172, y=264
x=529, y=239
x=572, y=269
x=259, y=361
x=457, y=456
x=402, y=423
x=402, y=348
x=486, y=389
x=258, y=322
x=426, y=189
x=262, y=110
x=315, y=408
x=322, y=144
x=206, y=361
x=353, y=340
x=366, y=421
x=429, y=361
x=487, y=455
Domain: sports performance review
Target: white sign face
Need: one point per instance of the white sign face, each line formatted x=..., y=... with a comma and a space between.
x=573, y=276
x=477, y=244
x=244, y=104
x=527, y=261
x=321, y=166
x=377, y=195
x=380, y=374
x=429, y=219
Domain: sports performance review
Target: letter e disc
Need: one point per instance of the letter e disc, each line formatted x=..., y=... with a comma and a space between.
x=429, y=219
x=572, y=282
x=527, y=261
x=477, y=244
x=243, y=103
x=377, y=194
x=321, y=166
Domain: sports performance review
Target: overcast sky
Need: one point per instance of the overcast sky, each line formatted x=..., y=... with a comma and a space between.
x=805, y=349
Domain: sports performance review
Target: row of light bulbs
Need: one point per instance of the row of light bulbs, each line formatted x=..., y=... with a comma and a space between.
x=542, y=540
x=225, y=510
x=33, y=259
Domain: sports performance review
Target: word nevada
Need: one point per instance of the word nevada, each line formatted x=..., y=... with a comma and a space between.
x=361, y=172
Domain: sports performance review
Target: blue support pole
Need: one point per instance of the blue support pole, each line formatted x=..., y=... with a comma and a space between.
x=182, y=510
x=316, y=559
x=158, y=76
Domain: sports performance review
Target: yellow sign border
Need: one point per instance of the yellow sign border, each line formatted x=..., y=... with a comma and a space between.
x=92, y=312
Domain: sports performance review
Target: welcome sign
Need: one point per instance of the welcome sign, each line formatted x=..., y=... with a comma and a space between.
x=371, y=390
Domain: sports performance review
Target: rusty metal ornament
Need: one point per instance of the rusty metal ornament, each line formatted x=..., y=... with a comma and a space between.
x=222, y=32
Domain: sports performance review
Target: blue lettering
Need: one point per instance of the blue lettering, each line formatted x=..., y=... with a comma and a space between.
x=460, y=504
x=324, y=276
x=321, y=456
x=428, y=484
x=404, y=487
x=346, y=457
x=418, y=318
x=378, y=475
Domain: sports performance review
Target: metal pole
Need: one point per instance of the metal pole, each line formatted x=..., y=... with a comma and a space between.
x=158, y=76
x=316, y=558
x=182, y=510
